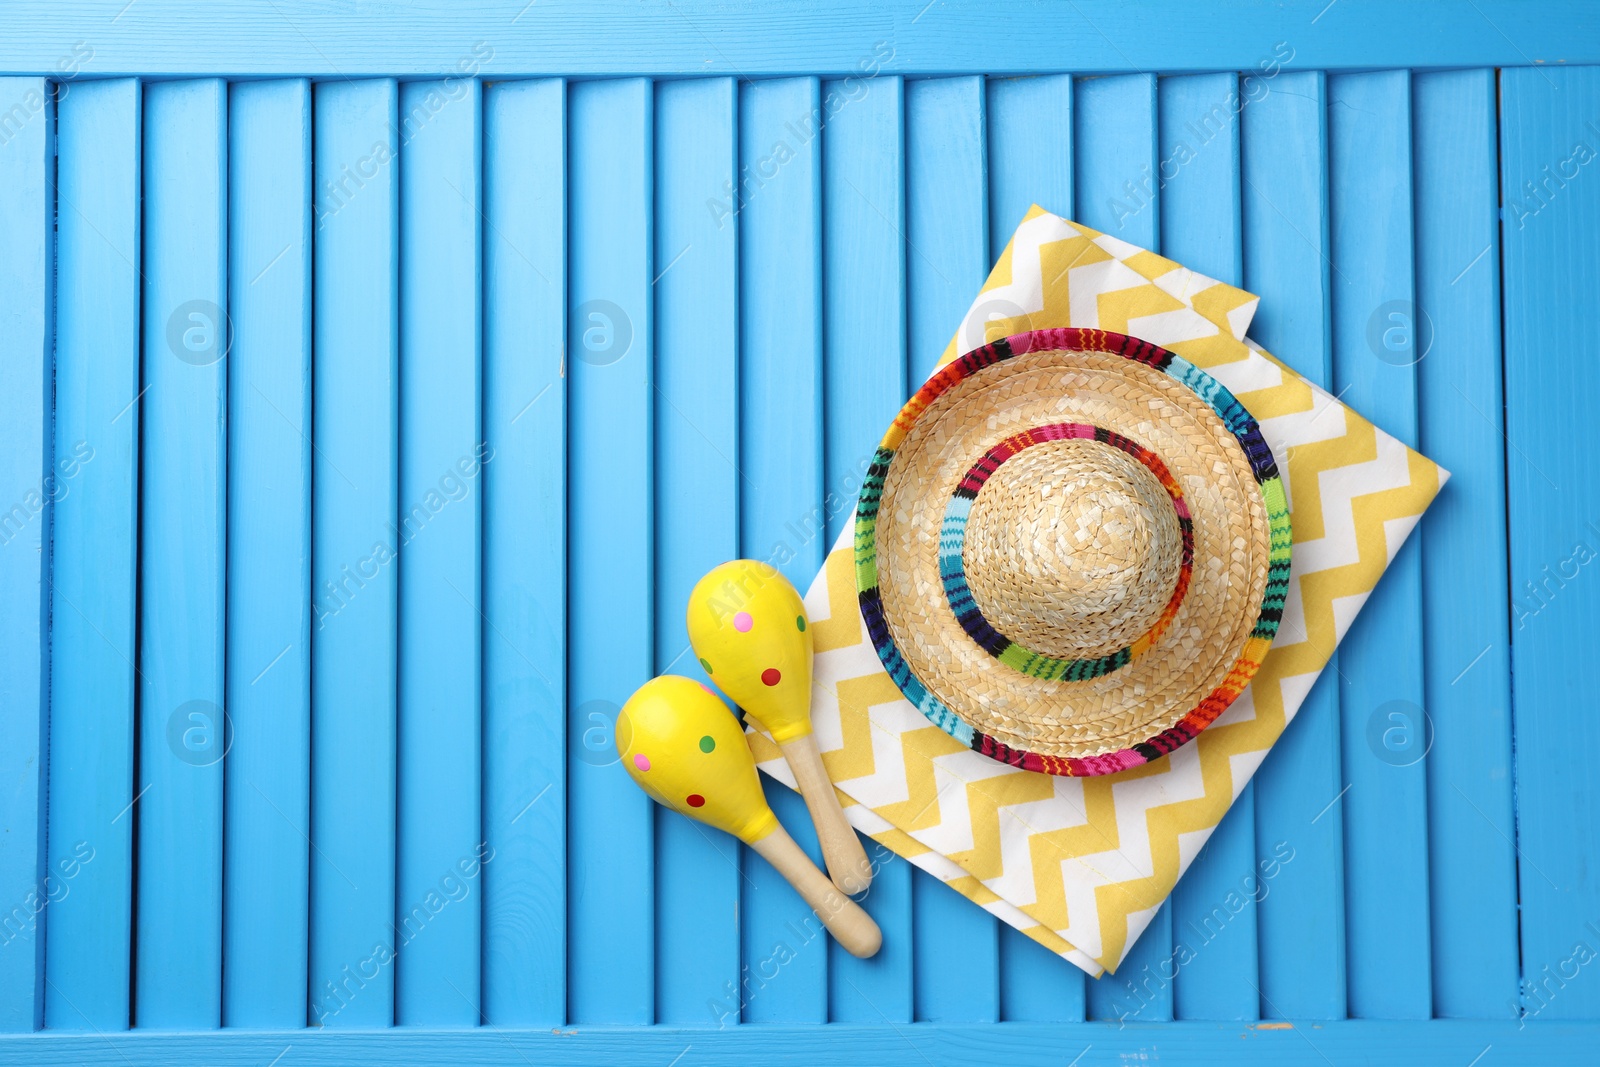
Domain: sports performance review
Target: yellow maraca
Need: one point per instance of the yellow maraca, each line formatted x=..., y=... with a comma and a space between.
x=678, y=741
x=748, y=626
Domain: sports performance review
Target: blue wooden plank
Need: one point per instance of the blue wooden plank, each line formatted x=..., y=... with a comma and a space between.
x=1030, y=151
x=26, y=147
x=442, y=452
x=355, y=539
x=1384, y=732
x=1300, y=925
x=1368, y=1042
x=1030, y=161
x=780, y=454
x=829, y=36
x=183, y=731
x=1467, y=660
x=1116, y=135
x=864, y=384
x=524, y=554
x=1550, y=223
x=95, y=555
x=697, y=519
x=947, y=238
x=610, y=572
x=1197, y=176
x=955, y=944
x=267, y=843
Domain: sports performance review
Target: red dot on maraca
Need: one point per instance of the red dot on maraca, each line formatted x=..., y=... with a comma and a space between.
x=695, y=800
x=770, y=676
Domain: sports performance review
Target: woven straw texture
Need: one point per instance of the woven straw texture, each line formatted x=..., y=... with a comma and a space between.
x=1081, y=864
x=1088, y=584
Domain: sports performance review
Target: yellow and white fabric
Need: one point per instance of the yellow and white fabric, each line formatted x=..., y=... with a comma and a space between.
x=1081, y=864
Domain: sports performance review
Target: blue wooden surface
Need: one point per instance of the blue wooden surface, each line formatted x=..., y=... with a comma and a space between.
x=699, y=37
x=1550, y=220
x=355, y=510
x=1473, y=863
x=183, y=729
x=25, y=317
x=1384, y=736
x=524, y=554
x=438, y=916
x=266, y=853
x=94, y=587
x=661, y=322
x=610, y=556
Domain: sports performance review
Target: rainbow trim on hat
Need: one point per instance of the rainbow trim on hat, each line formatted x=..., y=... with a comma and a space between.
x=952, y=566
x=1262, y=465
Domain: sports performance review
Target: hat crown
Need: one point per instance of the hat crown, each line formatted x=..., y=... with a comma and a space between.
x=1073, y=549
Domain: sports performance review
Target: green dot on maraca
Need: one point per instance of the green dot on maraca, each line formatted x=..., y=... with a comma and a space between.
x=800, y=621
x=707, y=663
x=707, y=743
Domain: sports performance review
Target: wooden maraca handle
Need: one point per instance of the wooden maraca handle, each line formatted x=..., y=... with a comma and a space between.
x=841, y=848
x=849, y=925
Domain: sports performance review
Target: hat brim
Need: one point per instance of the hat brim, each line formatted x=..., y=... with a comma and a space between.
x=1090, y=723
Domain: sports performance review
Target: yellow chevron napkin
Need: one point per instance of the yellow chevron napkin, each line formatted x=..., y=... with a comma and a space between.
x=1081, y=864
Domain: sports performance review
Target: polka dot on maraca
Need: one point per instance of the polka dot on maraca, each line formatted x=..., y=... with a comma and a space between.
x=706, y=664
x=800, y=621
x=641, y=761
x=707, y=743
x=770, y=676
x=695, y=800
x=742, y=622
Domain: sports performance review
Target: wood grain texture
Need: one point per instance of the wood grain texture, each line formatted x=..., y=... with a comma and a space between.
x=1466, y=642
x=1549, y=224
x=524, y=553
x=1384, y=727
x=1299, y=791
x=785, y=258
x=26, y=298
x=697, y=978
x=610, y=557
x=95, y=556
x=430, y=38
x=1029, y=123
x=1371, y=1043
x=438, y=903
x=183, y=729
x=266, y=849
x=355, y=511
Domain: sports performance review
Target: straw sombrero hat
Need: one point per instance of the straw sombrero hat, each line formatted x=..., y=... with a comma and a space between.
x=1072, y=550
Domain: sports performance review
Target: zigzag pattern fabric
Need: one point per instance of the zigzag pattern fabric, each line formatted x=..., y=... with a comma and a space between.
x=1081, y=864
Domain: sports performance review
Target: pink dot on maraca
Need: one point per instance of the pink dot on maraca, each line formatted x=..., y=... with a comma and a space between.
x=770, y=676
x=742, y=622
x=641, y=761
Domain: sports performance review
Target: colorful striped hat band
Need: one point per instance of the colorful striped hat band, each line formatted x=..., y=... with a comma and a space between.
x=1072, y=550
